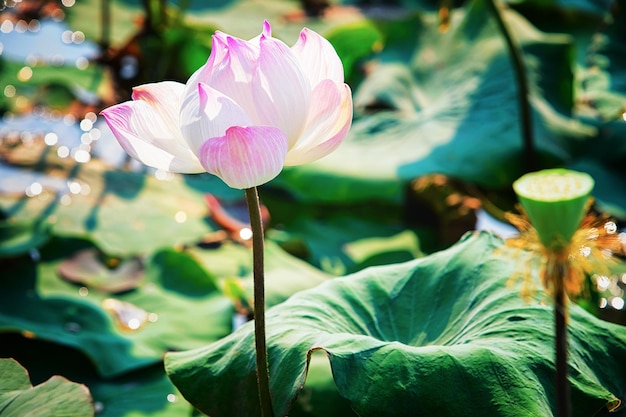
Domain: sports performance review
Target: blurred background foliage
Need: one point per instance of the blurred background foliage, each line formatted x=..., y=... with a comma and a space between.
x=106, y=265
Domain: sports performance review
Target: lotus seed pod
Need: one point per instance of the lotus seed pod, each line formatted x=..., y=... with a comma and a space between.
x=554, y=200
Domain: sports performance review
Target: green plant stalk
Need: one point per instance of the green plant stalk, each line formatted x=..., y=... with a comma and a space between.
x=557, y=268
x=526, y=122
x=262, y=369
x=105, y=15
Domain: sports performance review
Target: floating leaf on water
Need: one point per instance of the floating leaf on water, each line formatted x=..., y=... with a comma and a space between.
x=89, y=268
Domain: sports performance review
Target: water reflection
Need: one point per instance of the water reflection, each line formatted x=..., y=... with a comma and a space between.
x=75, y=138
x=180, y=217
x=51, y=139
x=617, y=303
x=49, y=41
x=6, y=26
x=34, y=189
x=63, y=151
x=611, y=290
x=73, y=327
x=15, y=180
x=128, y=316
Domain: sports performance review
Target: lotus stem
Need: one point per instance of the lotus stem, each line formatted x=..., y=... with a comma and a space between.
x=105, y=16
x=557, y=268
x=262, y=369
x=526, y=123
x=556, y=201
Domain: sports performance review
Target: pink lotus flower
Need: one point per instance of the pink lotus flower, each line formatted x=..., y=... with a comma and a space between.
x=254, y=107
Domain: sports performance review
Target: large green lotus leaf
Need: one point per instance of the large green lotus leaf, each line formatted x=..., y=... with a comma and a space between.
x=120, y=332
x=55, y=397
x=441, y=335
x=124, y=213
x=452, y=110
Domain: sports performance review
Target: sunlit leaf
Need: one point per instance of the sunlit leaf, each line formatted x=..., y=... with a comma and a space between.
x=400, y=336
x=448, y=112
x=57, y=396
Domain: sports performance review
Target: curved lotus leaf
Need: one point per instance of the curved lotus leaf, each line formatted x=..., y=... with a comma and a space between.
x=441, y=335
x=55, y=397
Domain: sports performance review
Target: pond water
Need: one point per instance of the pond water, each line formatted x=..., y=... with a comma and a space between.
x=52, y=42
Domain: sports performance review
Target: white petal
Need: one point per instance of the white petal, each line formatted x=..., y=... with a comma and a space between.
x=229, y=70
x=144, y=135
x=318, y=58
x=328, y=123
x=208, y=114
x=281, y=91
x=164, y=97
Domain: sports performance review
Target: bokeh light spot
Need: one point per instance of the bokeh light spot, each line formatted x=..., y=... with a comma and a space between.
x=25, y=74
x=9, y=91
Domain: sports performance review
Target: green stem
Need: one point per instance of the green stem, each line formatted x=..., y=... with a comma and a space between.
x=557, y=268
x=105, y=16
x=522, y=86
x=262, y=371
